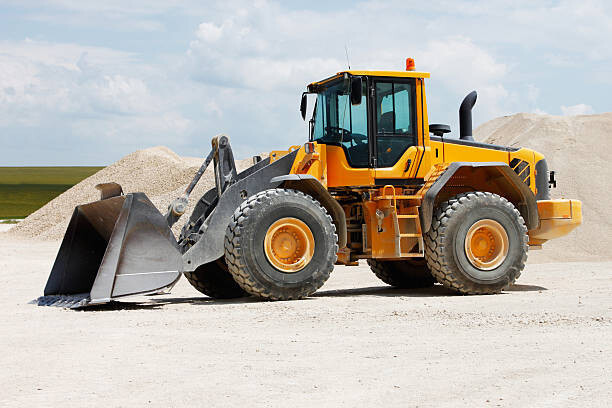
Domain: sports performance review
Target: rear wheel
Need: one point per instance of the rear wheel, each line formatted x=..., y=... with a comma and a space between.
x=280, y=245
x=408, y=274
x=477, y=243
x=214, y=280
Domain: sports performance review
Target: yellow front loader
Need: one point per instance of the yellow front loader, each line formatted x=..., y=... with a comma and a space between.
x=376, y=181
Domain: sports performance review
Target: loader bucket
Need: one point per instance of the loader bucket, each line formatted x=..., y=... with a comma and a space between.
x=114, y=247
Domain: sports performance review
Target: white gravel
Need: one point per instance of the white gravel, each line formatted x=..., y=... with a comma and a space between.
x=357, y=342
x=579, y=150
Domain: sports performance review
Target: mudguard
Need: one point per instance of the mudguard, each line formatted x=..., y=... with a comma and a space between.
x=527, y=204
x=312, y=186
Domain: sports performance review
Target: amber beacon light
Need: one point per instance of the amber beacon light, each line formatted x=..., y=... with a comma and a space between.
x=410, y=64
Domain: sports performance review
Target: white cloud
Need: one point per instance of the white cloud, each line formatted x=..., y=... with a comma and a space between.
x=463, y=66
x=93, y=94
x=245, y=64
x=580, y=109
x=263, y=50
x=461, y=63
x=243, y=51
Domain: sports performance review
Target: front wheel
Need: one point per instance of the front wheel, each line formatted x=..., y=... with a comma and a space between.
x=214, y=280
x=477, y=243
x=281, y=245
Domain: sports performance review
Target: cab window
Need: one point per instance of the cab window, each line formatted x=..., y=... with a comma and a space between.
x=395, y=124
x=339, y=123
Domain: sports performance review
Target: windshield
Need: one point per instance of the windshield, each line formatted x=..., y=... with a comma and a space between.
x=336, y=121
x=335, y=118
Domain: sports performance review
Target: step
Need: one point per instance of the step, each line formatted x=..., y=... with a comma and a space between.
x=410, y=235
x=407, y=216
x=397, y=197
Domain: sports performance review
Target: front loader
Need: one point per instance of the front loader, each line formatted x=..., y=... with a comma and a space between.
x=375, y=182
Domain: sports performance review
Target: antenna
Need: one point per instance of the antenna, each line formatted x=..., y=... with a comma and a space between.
x=347, y=57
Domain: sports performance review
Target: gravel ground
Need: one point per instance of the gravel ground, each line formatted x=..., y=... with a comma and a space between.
x=356, y=342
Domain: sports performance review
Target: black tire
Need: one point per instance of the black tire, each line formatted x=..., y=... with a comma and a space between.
x=244, y=245
x=406, y=274
x=214, y=280
x=445, y=243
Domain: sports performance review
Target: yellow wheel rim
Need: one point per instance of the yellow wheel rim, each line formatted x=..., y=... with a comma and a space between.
x=486, y=244
x=289, y=245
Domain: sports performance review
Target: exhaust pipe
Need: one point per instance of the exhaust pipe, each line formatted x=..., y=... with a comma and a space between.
x=465, y=116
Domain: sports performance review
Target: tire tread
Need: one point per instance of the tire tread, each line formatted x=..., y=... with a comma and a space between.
x=436, y=239
x=234, y=255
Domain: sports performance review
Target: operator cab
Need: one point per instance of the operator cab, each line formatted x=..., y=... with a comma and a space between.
x=372, y=115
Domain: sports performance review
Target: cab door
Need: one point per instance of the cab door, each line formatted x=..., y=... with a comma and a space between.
x=394, y=127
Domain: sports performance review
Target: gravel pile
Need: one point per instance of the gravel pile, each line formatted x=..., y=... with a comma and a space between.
x=158, y=172
x=579, y=150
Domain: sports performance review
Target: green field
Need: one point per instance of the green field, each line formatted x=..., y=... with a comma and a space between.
x=24, y=190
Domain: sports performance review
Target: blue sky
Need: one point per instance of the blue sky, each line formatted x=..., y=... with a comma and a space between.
x=86, y=82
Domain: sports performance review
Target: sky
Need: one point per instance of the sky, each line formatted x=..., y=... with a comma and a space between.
x=87, y=82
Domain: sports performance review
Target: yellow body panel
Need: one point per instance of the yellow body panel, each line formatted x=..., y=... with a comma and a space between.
x=277, y=154
x=437, y=152
x=314, y=164
x=461, y=153
x=393, y=74
x=527, y=175
x=341, y=174
x=557, y=218
x=399, y=170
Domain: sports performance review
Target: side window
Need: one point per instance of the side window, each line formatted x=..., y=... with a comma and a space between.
x=385, y=115
x=355, y=141
x=403, y=108
x=319, y=126
x=338, y=122
x=395, y=130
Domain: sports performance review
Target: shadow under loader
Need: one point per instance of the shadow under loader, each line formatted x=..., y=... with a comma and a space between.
x=122, y=245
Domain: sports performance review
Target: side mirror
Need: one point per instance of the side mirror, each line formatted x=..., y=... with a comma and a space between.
x=303, y=105
x=356, y=90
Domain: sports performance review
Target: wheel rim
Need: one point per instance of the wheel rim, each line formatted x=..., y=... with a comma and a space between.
x=486, y=244
x=289, y=245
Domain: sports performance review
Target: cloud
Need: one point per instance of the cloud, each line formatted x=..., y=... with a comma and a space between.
x=239, y=66
x=268, y=54
x=580, y=109
x=243, y=50
x=462, y=66
x=136, y=16
x=92, y=95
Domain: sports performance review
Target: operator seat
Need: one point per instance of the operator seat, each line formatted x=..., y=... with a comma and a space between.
x=386, y=122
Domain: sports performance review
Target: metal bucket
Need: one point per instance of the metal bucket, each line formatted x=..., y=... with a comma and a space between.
x=114, y=247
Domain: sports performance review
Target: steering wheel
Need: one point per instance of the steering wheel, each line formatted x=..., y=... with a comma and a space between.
x=336, y=131
x=359, y=138
x=356, y=139
x=346, y=136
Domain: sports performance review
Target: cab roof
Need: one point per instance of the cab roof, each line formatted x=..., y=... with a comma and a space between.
x=393, y=74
